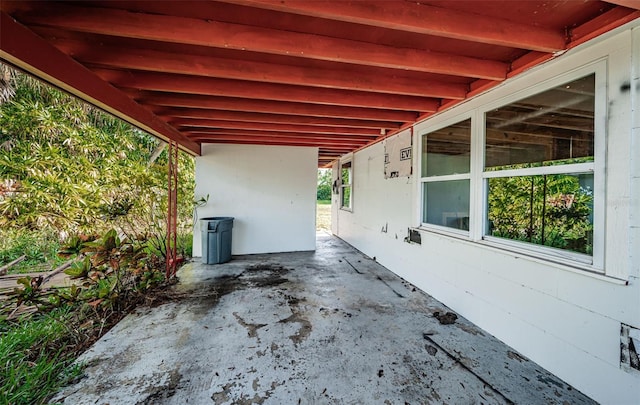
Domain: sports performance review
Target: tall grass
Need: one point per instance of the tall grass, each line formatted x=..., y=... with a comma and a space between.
x=41, y=249
x=32, y=364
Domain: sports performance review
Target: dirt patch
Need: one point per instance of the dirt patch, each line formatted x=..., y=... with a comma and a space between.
x=446, y=318
x=223, y=396
x=515, y=356
x=296, y=317
x=226, y=394
x=262, y=275
x=470, y=329
x=303, y=332
x=270, y=267
x=164, y=391
x=252, y=328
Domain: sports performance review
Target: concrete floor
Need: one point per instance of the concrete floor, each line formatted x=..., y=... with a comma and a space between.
x=330, y=327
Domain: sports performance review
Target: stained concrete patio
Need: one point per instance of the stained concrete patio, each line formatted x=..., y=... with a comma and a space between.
x=324, y=327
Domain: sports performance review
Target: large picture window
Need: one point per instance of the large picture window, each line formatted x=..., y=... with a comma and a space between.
x=446, y=155
x=539, y=163
x=525, y=173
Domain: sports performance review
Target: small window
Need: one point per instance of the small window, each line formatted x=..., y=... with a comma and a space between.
x=446, y=155
x=539, y=168
x=346, y=178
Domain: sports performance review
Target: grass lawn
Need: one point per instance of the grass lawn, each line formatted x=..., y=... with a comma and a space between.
x=323, y=216
x=36, y=357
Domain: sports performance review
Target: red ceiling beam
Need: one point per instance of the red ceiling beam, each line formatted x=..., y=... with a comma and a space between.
x=635, y=4
x=248, y=38
x=344, y=139
x=264, y=91
x=601, y=24
x=321, y=149
x=423, y=19
x=22, y=48
x=173, y=113
x=276, y=107
x=155, y=61
x=185, y=123
x=589, y=30
x=278, y=140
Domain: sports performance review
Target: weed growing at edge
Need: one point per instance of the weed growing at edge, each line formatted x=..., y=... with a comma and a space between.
x=33, y=359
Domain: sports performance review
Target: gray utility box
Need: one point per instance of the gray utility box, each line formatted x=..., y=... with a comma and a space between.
x=216, y=239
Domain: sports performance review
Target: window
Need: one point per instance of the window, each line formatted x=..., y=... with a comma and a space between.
x=345, y=185
x=446, y=155
x=525, y=173
x=538, y=166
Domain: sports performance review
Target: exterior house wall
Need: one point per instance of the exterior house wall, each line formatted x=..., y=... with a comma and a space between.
x=566, y=319
x=270, y=191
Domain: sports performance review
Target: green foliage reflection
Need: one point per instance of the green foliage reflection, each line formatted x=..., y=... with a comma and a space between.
x=549, y=210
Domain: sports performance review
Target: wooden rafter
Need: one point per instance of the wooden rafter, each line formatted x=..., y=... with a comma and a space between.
x=191, y=31
x=262, y=126
x=333, y=74
x=241, y=116
x=259, y=132
x=634, y=4
x=275, y=107
x=264, y=91
x=423, y=19
x=196, y=65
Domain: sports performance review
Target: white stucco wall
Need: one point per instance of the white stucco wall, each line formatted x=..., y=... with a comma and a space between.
x=270, y=191
x=565, y=319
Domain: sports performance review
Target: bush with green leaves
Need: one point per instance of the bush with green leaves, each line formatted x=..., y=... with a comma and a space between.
x=324, y=185
x=67, y=167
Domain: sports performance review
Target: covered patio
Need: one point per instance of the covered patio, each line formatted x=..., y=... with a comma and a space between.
x=331, y=326
x=263, y=92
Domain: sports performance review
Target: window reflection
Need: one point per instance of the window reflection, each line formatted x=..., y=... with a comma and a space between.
x=552, y=127
x=447, y=151
x=549, y=210
x=447, y=204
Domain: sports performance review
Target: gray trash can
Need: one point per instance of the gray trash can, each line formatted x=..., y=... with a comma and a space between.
x=216, y=239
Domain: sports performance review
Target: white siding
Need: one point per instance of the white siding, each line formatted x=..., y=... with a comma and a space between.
x=565, y=319
x=270, y=191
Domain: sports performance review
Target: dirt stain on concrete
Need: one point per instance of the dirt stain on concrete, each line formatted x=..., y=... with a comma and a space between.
x=252, y=328
x=157, y=394
x=470, y=329
x=226, y=394
x=515, y=356
x=207, y=297
x=303, y=332
x=223, y=396
x=447, y=318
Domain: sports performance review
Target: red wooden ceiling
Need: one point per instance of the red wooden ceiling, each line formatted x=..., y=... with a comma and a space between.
x=338, y=75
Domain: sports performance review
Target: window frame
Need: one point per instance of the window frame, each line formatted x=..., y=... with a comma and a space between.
x=349, y=185
x=478, y=177
x=447, y=177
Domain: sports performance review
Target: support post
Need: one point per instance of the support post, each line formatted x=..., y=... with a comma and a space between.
x=172, y=210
